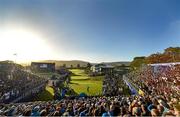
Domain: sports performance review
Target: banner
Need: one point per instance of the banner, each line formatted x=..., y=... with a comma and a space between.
x=132, y=89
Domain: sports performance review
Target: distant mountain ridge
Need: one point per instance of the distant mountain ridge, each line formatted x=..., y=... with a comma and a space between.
x=68, y=63
x=82, y=63
x=119, y=63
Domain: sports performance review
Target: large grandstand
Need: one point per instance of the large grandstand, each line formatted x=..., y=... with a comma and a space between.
x=16, y=84
x=138, y=93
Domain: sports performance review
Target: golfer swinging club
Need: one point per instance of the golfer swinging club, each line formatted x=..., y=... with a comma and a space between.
x=88, y=89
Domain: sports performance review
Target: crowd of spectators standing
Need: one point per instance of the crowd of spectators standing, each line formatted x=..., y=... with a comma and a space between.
x=113, y=85
x=124, y=106
x=159, y=80
x=16, y=83
x=160, y=98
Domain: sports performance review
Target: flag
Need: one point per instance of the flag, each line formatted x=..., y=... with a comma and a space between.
x=141, y=92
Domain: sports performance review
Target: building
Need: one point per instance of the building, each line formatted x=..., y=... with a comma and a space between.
x=42, y=67
x=122, y=68
x=102, y=68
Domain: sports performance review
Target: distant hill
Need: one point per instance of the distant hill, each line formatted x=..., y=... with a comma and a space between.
x=126, y=63
x=59, y=63
x=74, y=63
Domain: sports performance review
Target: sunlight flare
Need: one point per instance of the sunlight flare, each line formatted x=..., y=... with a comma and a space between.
x=27, y=44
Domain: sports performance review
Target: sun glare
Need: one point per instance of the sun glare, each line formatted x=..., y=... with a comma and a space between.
x=27, y=45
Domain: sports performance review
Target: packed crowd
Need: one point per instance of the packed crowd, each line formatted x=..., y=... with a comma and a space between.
x=97, y=106
x=15, y=82
x=113, y=85
x=161, y=98
x=159, y=80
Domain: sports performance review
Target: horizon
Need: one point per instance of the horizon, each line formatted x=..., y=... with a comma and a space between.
x=28, y=62
x=93, y=31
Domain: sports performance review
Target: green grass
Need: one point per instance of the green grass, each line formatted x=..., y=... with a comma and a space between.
x=78, y=74
x=46, y=95
x=80, y=81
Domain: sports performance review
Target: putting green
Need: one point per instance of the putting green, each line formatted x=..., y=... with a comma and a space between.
x=80, y=82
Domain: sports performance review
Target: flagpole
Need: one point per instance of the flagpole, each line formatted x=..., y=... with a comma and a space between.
x=15, y=57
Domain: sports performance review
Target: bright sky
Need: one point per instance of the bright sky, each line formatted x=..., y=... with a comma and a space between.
x=90, y=30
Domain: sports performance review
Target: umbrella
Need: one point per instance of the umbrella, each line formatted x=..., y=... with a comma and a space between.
x=82, y=95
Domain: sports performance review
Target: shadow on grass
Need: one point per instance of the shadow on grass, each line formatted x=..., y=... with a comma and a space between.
x=81, y=79
x=74, y=83
x=45, y=96
x=95, y=79
x=71, y=92
x=73, y=74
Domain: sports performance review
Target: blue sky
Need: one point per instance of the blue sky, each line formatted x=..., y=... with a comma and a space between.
x=98, y=30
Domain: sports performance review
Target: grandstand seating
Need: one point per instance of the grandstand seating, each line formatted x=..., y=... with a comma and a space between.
x=152, y=99
x=16, y=83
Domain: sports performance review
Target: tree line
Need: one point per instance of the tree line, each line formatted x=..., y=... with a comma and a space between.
x=171, y=54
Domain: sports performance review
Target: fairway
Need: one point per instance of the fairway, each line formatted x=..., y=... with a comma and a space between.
x=80, y=82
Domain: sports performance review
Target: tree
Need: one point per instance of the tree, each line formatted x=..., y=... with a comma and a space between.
x=78, y=65
x=175, y=50
x=154, y=58
x=64, y=65
x=71, y=66
x=173, y=53
x=137, y=62
x=89, y=65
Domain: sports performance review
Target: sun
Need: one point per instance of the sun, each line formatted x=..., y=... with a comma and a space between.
x=27, y=44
